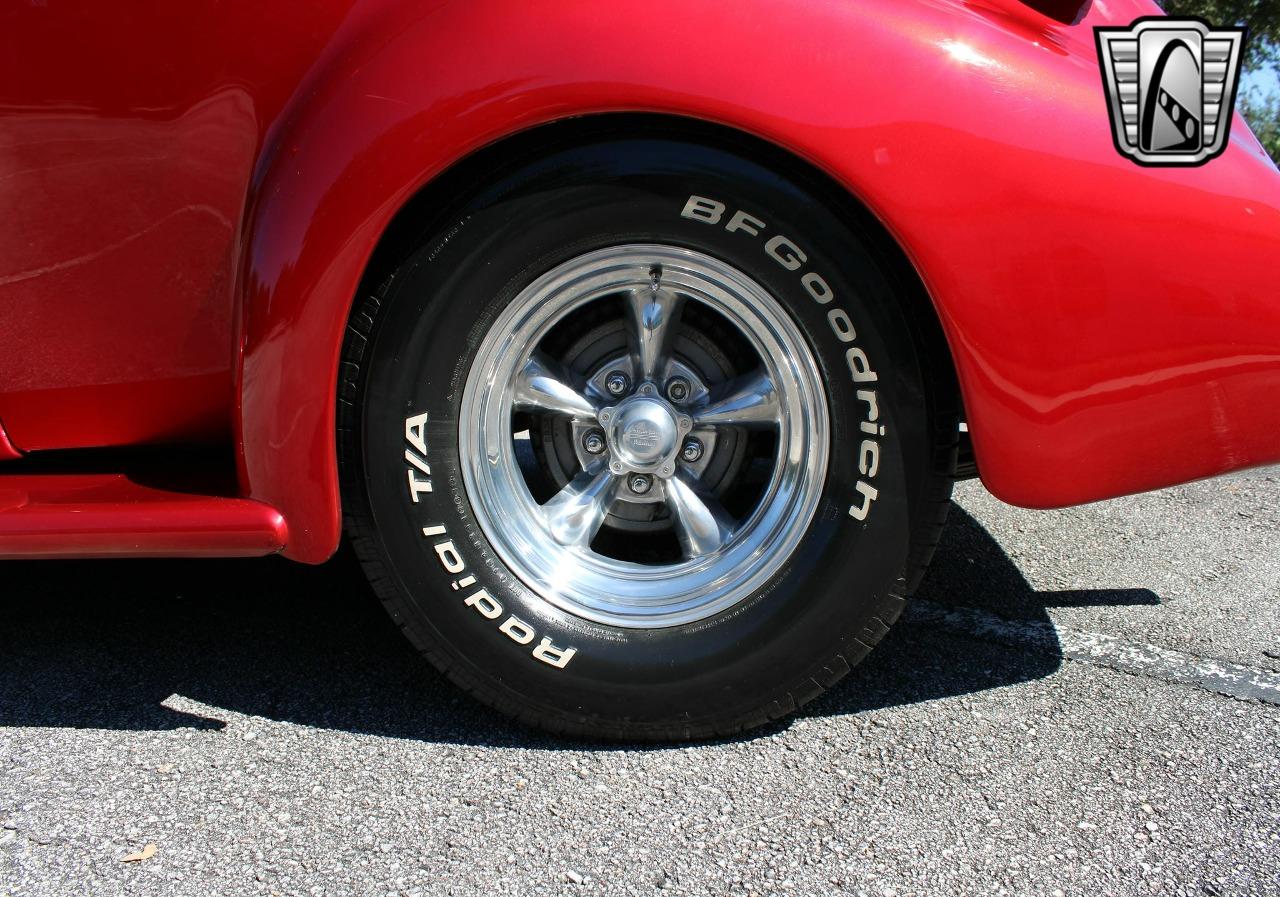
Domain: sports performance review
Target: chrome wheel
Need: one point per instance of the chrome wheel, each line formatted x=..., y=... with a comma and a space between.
x=644, y=436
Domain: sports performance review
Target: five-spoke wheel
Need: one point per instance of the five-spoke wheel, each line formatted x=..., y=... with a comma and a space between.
x=722, y=453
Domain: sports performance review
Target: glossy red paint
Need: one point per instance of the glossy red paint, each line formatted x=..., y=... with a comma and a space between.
x=1114, y=328
x=7, y=451
x=127, y=139
x=109, y=515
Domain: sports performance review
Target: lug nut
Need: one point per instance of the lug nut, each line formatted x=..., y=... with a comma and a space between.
x=617, y=383
x=692, y=450
x=639, y=483
x=593, y=442
x=677, y=389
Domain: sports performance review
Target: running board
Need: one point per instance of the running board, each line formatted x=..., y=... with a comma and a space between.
x=100, y=515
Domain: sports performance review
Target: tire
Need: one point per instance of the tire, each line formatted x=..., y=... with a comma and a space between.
x=427, y=470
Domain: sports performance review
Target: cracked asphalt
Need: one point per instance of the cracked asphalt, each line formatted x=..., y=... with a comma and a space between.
x=1053, y=717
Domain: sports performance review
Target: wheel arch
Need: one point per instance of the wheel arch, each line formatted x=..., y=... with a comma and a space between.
x=317, y=494
x=432, y=205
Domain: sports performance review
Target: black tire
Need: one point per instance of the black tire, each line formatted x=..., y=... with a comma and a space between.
x=409, y=349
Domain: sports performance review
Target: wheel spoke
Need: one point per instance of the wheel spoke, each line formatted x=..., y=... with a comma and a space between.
x=575, y=513
x=702, y=523
x=746, y=401
x=653, y=316
x=543, y=385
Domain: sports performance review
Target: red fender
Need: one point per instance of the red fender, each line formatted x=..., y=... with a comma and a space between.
x=1114, y=328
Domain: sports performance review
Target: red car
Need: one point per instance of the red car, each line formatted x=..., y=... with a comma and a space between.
x=630, y=343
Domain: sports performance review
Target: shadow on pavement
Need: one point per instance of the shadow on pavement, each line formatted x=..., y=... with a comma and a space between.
x=101, y=644
x=917, y=663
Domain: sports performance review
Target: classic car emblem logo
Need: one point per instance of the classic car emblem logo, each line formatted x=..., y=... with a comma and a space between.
x=642, y=436
x=1171, y=86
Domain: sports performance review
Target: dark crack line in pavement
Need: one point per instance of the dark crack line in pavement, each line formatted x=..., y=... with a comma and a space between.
x=1211, y=674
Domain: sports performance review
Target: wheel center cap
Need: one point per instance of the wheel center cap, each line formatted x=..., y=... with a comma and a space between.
x=643, y=433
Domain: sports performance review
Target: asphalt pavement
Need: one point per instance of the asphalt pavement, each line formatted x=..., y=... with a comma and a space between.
x=1080, y=702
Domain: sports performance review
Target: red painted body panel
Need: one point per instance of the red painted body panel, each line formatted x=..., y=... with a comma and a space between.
x=109, y=515
x=1114, y=328
x=128, y=135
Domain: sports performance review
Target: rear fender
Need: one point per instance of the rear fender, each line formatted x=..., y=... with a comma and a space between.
x=1113, y=327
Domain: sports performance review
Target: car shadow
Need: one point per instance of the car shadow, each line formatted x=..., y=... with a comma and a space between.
x=108, y=644
x=918, y=661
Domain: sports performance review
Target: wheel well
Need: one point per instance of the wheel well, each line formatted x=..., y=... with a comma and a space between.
x=437, y=202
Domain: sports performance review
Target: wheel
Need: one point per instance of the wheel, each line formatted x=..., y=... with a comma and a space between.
x=639, y=443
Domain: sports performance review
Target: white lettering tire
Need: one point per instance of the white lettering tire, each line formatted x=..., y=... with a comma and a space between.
x=642, y=441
